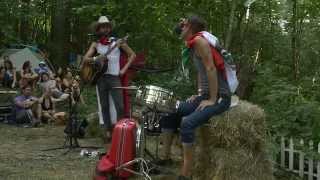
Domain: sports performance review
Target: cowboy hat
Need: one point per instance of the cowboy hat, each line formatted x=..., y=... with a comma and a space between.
x=103, y=20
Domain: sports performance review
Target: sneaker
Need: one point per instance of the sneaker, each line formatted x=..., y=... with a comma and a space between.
x=27, y=126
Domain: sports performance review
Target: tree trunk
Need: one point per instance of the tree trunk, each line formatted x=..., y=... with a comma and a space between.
x=294, y=40
x=231, y=22
x=24, y=23
x=60, y=32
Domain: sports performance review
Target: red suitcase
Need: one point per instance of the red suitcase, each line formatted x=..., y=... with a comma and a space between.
x=122, y=149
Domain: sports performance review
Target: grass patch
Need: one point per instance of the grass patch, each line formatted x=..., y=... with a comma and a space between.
x=21, y=155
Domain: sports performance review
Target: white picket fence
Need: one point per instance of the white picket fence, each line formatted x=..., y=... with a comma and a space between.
x=295, y=160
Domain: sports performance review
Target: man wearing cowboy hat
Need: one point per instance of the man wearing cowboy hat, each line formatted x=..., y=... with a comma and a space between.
x=109, y=99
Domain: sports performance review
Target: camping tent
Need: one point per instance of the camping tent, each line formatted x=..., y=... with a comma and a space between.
x=19, y=56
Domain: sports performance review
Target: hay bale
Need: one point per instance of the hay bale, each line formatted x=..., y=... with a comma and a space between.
x=233, y=146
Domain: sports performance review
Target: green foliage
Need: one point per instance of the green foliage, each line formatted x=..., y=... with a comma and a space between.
x=266, y=46
x=291, y=109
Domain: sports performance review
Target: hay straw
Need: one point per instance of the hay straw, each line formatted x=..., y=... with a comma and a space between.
x=232, y=146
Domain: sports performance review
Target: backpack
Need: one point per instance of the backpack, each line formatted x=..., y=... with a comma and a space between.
x=231, y=70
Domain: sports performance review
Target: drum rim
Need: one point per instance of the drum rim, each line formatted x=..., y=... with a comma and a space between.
x=158, y=88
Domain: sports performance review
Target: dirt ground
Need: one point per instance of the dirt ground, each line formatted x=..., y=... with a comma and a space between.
x=22, y=156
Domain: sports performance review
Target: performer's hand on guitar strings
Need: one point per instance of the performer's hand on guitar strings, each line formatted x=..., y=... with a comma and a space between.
x=99, y=57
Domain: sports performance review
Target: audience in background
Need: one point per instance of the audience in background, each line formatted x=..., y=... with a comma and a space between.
x=47, y=107
x=27, y=76
x=1, y=75
x=8, y=73
x=59, y=77
x=27, y=109
x=75, y=91
x=47, y=104
x=59, y=84
x=59, y=73
x=67, y=81
x=43, y=68
x=49, y=84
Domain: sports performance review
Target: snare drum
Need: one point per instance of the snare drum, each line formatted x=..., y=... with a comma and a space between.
x=155, y=97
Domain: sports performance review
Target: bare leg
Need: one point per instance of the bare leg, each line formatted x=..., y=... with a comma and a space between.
x=36, y=114
x=48, y=116
x=187, y=160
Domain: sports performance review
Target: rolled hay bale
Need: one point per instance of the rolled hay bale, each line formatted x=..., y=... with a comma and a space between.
x=232, y=146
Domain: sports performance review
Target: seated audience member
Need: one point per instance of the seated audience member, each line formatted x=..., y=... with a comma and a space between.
x=47, y=83
x=27, y=108
x=1, y=75
x=58, y=77
x=67, y=81
x=75, y=91
x=43, y=68
x=8, y=73
x=60, y=118
x=27, y=76
x=59, y=84
x=47, y=104
x=59, y=73
x=68, y=70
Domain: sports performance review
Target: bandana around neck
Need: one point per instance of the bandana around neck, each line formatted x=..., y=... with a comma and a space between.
x=104, y=40
x=212, y=40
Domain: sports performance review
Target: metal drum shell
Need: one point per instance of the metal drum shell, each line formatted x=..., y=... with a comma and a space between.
x=155, y=97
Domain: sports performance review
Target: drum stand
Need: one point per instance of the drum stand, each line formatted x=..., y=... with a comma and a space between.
x=154, y=157
x=144, y=166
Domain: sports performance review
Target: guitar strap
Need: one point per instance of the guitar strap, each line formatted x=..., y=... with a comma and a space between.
x=104, y=68
x=105, y=65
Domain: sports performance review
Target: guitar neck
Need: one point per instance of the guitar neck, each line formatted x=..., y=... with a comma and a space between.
x=116, y=44
x=111, y=49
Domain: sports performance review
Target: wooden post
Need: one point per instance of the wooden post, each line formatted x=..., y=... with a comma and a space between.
x=301, y=160
x=318, y=164
x=291, y=150
x=282, y=152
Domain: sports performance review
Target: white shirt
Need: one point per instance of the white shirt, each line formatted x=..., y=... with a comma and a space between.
x=113, y=58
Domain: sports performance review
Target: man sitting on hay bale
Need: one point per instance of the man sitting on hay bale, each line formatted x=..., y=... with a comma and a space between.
x=213, y=97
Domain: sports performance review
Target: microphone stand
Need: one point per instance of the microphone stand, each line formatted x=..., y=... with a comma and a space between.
x=71, y=129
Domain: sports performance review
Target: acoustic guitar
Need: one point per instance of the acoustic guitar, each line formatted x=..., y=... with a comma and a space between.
x=90, y=71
